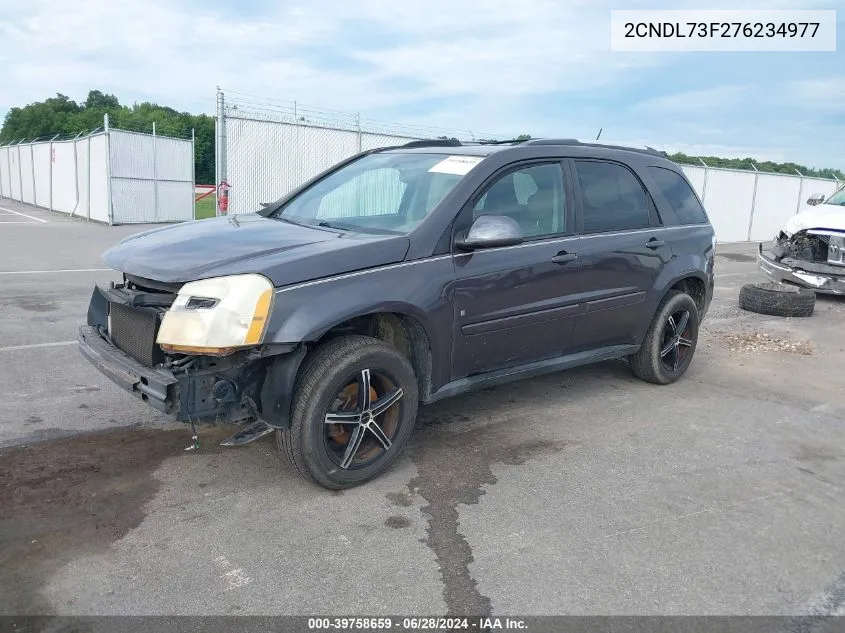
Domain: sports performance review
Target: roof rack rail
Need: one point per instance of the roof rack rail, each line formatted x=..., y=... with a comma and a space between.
x=573, y=141
x=503, y=142
x=434, y=142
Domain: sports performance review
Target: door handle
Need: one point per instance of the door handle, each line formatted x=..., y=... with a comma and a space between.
x=564, y=257
x=655, y=243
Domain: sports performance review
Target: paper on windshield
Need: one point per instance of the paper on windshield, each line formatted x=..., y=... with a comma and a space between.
x=456, y=165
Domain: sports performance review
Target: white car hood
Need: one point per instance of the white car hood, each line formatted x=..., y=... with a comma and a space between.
x=824, y=216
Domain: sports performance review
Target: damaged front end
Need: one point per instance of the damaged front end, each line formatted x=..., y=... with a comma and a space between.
x=120, y=340
x=810, y=258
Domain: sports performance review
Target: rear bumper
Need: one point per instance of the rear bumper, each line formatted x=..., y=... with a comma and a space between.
x=156, y=387
x=820, y=282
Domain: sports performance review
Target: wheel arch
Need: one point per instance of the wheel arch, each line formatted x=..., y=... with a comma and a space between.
x=692, y=282
x=403, y=330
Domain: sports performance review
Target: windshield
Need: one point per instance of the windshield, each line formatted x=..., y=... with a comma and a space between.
x=837, y=198
x=379, y=193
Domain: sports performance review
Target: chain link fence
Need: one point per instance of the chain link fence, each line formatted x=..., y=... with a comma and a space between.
x=265, y=148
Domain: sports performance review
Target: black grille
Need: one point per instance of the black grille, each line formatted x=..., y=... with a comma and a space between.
x=134, y=331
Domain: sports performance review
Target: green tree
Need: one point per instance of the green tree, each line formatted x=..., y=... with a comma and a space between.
x=61, y=115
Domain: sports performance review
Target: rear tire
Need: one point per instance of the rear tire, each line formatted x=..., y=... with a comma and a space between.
x=359, y=372
x=670, y=342
x=774, y=299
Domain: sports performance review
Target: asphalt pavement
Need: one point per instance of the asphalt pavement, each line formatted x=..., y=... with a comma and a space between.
x=583, y=492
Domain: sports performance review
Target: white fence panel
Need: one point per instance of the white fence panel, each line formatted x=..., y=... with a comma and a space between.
x=133, y=177
x=82, y=183
x=15, y=171
x=64, y=176
x=5, y=184
x=41, y=166
x=27, y=185
x=133, y=201
x=152, y=178
x=727, y=199
x=173, y=159
x=174, y=169
x=776, y=201
x=173, y=199
x=99, y=178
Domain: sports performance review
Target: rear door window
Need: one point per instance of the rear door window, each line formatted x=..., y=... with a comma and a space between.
x=612, y=198
x=680, y=195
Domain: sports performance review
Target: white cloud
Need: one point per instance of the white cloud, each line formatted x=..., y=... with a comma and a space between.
x=718, y=97
x=471, y=64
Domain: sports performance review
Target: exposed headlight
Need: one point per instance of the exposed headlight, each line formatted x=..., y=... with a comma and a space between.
x=217, y=316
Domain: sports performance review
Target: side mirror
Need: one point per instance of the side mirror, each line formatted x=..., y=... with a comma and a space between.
x=816, y=198
x=489, y=231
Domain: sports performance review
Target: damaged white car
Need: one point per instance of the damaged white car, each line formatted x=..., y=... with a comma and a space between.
x=810, y=250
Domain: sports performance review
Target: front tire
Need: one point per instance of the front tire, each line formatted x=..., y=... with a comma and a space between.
x=354, y=407
x=670, y=342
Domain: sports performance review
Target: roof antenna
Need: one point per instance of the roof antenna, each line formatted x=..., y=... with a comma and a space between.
x=599, y=134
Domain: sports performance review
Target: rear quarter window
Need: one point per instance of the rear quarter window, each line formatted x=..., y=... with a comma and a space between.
x=680, y=195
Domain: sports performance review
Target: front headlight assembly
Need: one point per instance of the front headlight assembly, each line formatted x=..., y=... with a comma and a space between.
x=217, y=316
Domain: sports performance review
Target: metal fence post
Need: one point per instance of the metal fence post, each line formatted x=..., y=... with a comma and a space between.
x=155, y=176
x=194, y=170
x=107, y=128
x=75, y=174
x=358, y=129
x=753, y=200
x=32, y=169
x=800, y=192
x=51, y=171
x=20, y=172
x=88, y=217
x=704, y=184
x=220, y=147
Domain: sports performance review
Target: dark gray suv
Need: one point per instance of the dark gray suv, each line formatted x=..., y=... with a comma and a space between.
x=402, y=276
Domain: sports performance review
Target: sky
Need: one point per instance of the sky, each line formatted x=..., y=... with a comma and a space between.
x=493, y=67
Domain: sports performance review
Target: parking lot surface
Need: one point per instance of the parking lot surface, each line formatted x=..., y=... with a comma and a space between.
x=583, y=492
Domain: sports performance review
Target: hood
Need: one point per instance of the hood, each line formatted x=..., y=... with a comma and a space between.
x=823, y=216
x=284, y=252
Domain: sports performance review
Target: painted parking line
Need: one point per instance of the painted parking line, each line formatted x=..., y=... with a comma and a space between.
x=31, y=217
x=61, y=270
x=14, y=348
x=750, y=272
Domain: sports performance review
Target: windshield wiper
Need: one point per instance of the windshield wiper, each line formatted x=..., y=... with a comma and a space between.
x=334, y=225
x=288, y=220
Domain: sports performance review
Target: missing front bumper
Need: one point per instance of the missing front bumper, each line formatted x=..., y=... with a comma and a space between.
x=156, y=387
x=203, y=395
x=781, y=273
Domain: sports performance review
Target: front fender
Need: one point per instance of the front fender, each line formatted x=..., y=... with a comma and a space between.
x=420, y=289
x=304, y=312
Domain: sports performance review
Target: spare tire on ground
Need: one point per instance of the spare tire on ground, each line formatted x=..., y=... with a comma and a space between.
x=776, y=299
